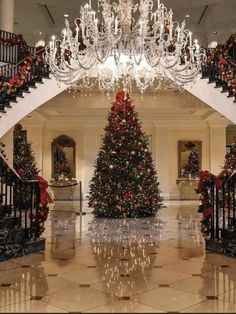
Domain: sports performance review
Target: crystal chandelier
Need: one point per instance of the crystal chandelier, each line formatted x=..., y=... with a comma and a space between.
x=123, y=44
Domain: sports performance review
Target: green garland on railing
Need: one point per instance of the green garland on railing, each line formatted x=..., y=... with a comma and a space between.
x=16, y=39
x=10, y=85
x=223, y=55
x=206, y=181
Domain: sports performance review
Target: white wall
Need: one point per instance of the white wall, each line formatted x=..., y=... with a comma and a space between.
x=167, y=117
x=165, y=139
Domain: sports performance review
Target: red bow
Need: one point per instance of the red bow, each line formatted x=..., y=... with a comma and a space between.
x=207, y=212
x=45, y=198
x=122, y=100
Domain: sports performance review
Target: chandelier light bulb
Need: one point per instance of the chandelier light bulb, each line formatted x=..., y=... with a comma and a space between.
x=190, y=39
x=135, y=44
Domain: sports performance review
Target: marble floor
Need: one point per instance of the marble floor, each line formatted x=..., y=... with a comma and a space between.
x=91, y=265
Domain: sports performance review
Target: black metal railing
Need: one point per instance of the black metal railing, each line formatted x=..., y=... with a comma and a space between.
x=13, y=47
x=17, y=79
x=220, y=67
x=19, y=208
x=218, y=206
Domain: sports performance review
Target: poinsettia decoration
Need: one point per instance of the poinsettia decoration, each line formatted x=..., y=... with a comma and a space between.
x=206, y=181
x=222, y=55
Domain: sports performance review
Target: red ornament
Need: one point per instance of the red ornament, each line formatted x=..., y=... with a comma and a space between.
x=18, y=127
x=128, y=196
x=21, y=172
x=208, y=212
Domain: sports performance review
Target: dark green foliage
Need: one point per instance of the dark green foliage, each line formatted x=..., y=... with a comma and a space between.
x=24, y=160
x=124, y=182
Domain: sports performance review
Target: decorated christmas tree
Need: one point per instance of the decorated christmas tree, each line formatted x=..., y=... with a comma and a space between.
x=193, y=164
x=2, y=149
x=24, y=160
x=61, y=167
x=230, y=158
x=124, y=183
x=25, y=165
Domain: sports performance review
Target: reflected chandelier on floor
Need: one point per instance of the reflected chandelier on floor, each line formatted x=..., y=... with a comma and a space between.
x=124, y=42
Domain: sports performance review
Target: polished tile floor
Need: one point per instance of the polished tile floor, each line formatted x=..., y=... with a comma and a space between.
x=132, y=265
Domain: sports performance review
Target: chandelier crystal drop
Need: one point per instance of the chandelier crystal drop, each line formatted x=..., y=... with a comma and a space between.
x=123, y=44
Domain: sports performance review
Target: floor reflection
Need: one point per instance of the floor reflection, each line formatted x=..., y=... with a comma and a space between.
x=63, y=234
x=120, y=265
x=123, y=247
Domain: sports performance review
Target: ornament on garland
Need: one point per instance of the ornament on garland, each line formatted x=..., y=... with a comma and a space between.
x=17, y=39
x=11, y=85
x=224, y=55
x=118, y=188
x=206, y=181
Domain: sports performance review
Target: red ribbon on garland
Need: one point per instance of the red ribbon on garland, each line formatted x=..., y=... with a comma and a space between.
x=208, y=212
x=45, y=198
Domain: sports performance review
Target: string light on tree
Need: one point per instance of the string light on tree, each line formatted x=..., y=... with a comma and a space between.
x=124, y=184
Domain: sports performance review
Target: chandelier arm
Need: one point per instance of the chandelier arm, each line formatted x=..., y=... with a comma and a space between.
x=98, y=57
x=137, y=42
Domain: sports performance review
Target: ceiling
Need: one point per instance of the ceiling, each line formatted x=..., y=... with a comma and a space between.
x=47, y=17
x=164, y=107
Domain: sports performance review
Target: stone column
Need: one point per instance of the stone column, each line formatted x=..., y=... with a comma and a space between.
x=217, y=147
x=161, y=154
x=7, y=15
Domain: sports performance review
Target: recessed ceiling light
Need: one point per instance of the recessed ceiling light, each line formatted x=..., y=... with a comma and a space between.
x=40, y=33
x=215, y=33
x=187, y=16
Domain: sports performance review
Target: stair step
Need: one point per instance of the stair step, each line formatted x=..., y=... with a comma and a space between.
x=17, y=235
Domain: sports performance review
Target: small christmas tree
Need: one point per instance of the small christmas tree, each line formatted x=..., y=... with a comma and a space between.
x=193, y=164
x=61, y=167
x=2, y=149
x=230, y=158
x=124, y=182
x=24, y=160
x=25, y=165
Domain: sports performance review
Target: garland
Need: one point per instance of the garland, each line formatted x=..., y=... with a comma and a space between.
x=221, y=55
x=8, y=86
x=206, y=181
x=14, y=40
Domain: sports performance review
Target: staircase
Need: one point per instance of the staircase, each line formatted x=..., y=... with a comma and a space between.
x=215, y=86
x=213, y=96
x=20, y=214
x=24, y=86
